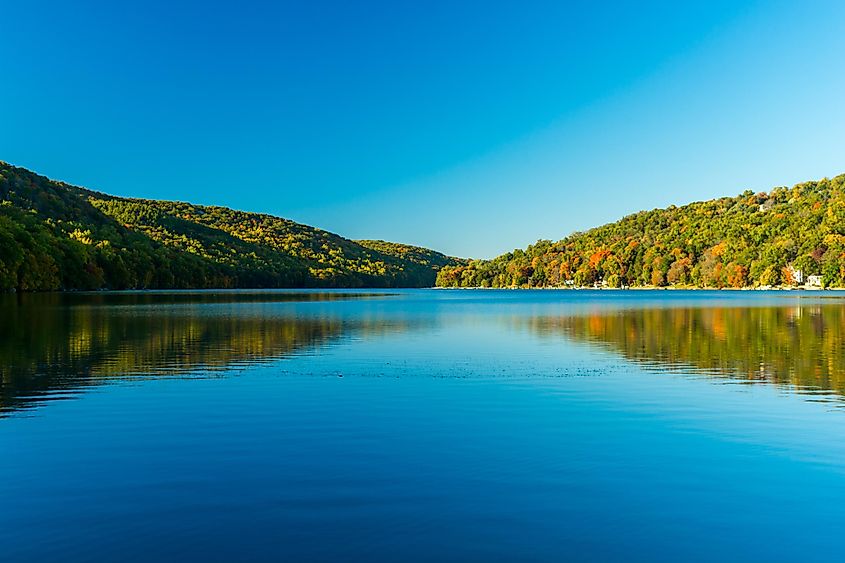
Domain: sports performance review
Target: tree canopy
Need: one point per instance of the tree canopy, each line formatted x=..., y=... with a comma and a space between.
x=751, y=240
x=54, y=236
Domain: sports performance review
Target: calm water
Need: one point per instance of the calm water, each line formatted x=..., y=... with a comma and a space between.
x=422, y=425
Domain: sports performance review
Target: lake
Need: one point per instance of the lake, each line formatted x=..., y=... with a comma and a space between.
x=422, y=425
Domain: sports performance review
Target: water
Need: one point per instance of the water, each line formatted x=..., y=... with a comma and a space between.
x=422, y=425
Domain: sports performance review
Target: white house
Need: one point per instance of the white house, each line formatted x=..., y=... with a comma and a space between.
x=814, y=281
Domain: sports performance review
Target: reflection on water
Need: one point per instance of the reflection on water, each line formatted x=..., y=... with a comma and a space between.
x=796, y=345
x=53, y=344
x=468, y=425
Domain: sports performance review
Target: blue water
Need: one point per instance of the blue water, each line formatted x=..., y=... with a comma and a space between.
x=422, y=425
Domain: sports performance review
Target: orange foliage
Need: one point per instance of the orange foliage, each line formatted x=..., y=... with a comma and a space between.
x=788, y=278
x=598, y=256
x=737, y=275
x=718, y=249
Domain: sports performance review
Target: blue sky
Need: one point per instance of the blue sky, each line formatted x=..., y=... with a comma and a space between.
x=469, y=127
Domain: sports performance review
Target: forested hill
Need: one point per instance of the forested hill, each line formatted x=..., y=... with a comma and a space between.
x=751, y=240
x=56, y=236
x=415, y=254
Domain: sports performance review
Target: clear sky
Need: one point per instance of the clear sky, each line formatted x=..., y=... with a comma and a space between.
x=469, y=127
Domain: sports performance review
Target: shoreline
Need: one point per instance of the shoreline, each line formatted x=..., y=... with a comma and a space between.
x=650, y=288
x=438, y=288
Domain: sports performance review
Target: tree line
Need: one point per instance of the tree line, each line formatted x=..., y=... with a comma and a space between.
x=775, y=238
x=54, y=236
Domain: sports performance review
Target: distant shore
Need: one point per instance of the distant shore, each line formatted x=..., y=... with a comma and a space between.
x=654, y=288
x=317, y=289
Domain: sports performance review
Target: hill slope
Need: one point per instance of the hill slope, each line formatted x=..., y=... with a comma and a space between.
x=57, y=236
x=415, y=254
x=744, y=241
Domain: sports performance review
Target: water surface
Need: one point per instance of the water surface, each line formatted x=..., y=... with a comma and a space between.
x=421, y=425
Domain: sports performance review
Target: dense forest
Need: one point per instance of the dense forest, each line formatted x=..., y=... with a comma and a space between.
x=414, y=254
x=779, y=238
x=54, y=236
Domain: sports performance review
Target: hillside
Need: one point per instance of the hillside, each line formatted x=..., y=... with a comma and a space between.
x=415, y=254
x=750, y=240
x=57, y=236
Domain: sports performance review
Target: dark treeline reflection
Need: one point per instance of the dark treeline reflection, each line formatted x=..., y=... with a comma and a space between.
x=161, y=298
x=801, y=345
x=51, y=345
